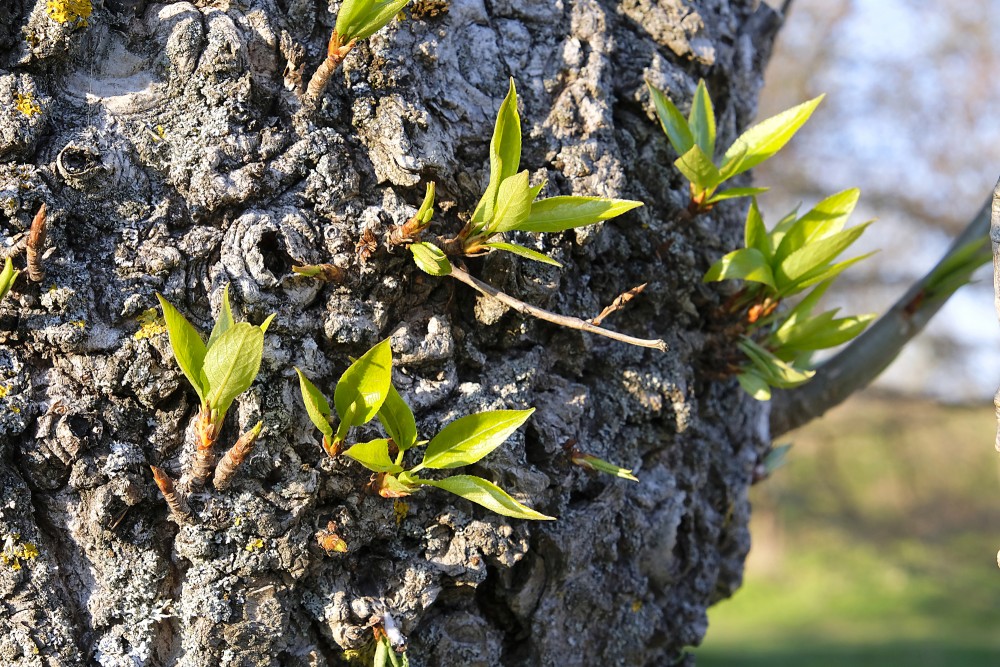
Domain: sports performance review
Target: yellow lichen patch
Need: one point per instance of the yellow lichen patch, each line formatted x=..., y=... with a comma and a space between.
x=428, y=9
x=14, y=551
x=4, y=390
x=26, y=104
x=79, y=324
x=400, y=509
x=636, y=605
x=255, y=545
x=150, y=324
x=64, y=11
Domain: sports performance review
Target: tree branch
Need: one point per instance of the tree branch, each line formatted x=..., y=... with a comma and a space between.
x=561, y=320
x=995, y=238
x=872, y=352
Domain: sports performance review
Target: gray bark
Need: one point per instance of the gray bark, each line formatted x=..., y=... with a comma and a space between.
x=240, y=184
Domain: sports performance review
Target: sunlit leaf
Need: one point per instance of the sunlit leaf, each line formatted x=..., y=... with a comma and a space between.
x=825, y=219
x=7, y=277
x=364, y=385
x=557, y=214
x=373, y=455
x=232, y=363
x=815, y=256
x=755, y=385
x=698, y=169
x=360, y=19
x=743, y=264
x=701, y=120
x=225, y=319
x=513, y=204
x=430, y=259
x=754, y=232
x=523, y=252
x=766, y=138
x=189, y=349
x=487, y=494
x=470, y=438
x=733, y=193
x=505, y=154
x=674, y=125
x=397, y=420
x=317, y=407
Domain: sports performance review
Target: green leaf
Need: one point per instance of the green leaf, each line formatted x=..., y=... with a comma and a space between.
x=505, y=154
x=815, y=256
x=232, y=363
x=360, y=19
x=733, y=193
x=775, y=371
x=487, y=494
x=766, y=138
x=364, y=385
x=674, y=125
x=374, y=455
x=824, y=331
x=7, y=277
x=225, y=319
x=754, y=232
x=594, y=463
x=397, y=420
x=430, y=259
x=955, y=269
x=822, y=221
x=317, y=407
x=470, y=438
x=382, y=651
x=523, y=252
x=557, y=214
x=698, y=169
x=702, y=120
x=426, y=211
x=189, y=349
x=824, y=273
x=743, y=264
x=267, y=322
x=754, y=385
x=513, y=204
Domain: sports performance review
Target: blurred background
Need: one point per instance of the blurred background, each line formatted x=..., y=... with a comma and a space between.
x=876, y=544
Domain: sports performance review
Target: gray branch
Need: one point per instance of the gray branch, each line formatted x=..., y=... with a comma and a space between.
x=871, y=353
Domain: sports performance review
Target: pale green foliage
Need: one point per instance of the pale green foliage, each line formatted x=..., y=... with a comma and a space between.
x=799, y=253
x=694, y=140
x=360, y=19
x=225, y=367
x=7, y=277
x=365, y=390
x=600, y=465
x=510, y=203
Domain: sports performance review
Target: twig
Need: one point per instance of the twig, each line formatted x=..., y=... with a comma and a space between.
x=335, y=54
x=36, y=245
x=618, y=303
x=561, y=320
x=871, y=353
x=235, y=456
x=174, y=501
x=995, y=238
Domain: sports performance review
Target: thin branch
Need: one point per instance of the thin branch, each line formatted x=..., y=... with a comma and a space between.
x=561, y=320
x=871, y=353
x=995, y=238
x=618, y=303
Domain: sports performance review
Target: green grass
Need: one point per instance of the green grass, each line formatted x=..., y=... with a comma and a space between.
x=875, y=545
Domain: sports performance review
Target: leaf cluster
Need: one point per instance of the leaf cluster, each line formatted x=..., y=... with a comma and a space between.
x=365, y=391
x=694, y=140
x=799, y=254
x=223, y=368
x=510, y=203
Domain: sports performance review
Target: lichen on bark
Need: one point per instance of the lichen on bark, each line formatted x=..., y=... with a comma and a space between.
x=173, y=159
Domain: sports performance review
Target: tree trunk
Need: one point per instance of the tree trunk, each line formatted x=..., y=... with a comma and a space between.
x=172, y=159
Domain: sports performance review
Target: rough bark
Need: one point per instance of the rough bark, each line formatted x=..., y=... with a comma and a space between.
x=173, y=159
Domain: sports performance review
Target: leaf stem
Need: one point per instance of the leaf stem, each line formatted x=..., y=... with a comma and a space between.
x=871, y=353
x=540, y=313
